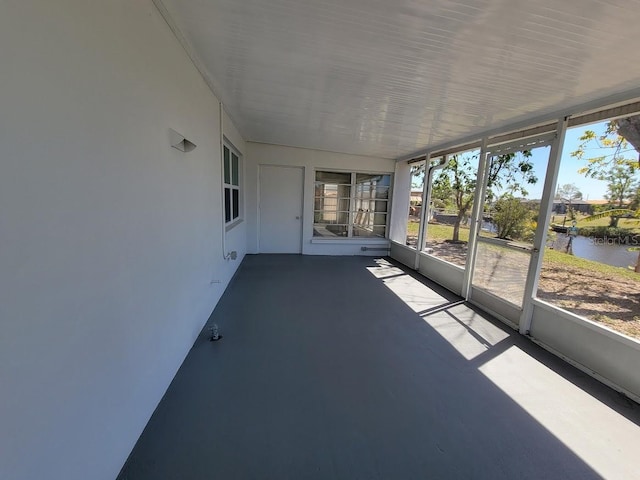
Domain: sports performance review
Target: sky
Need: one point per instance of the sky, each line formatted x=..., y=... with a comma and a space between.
x=591, y=189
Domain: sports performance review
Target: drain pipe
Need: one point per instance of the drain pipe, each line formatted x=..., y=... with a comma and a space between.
x=426, y=202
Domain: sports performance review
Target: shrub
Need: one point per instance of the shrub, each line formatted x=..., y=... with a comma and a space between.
x=604, y=231
x=511, y=218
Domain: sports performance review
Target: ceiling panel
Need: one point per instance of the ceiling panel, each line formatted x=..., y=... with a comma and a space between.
x=387, y=78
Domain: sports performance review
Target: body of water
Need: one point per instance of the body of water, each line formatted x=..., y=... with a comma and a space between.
x=616, y=255
x=593, y=249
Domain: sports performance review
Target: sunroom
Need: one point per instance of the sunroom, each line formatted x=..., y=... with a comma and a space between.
x=380, y=182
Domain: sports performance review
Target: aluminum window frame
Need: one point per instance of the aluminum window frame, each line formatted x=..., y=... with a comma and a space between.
x=230, y=186
x=353, y=198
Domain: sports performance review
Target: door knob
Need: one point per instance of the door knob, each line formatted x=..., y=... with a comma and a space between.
x=297, y=218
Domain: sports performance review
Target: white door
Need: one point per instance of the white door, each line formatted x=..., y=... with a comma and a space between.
x=280, y=209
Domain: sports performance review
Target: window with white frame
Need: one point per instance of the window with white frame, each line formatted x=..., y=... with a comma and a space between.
x=231, y=174
x=351, y=204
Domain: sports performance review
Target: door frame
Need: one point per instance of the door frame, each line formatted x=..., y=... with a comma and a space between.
x=259, y=203
x=518, y=316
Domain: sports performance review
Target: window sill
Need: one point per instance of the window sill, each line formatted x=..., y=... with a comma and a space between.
x=233, y=224
x=347, y=240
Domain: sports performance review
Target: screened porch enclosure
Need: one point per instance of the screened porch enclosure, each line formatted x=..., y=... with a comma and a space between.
x=150, y=146
x=501, y=258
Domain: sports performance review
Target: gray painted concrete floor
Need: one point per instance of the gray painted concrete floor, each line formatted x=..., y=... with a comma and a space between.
x=354, y=368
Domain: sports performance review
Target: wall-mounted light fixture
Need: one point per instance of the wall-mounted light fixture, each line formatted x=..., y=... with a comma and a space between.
x=178, y=141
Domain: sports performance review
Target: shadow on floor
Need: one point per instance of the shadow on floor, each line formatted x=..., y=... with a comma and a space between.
x=614, y=400
x=325, y=372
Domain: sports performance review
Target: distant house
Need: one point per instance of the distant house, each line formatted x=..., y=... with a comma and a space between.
x=586, y=207
x=416, y=197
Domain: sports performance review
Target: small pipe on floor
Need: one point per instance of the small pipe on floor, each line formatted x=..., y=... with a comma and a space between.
x=215, y=334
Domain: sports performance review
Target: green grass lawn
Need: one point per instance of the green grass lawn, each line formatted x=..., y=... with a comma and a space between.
x=440, y=232
x=412, y=228
x=631, y=223
x=597, y=268
x=445, y=232
x=615, y=290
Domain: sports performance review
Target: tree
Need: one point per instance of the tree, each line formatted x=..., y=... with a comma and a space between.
x=568, y=193
x=620, y=139
x=463, y=187
x=611, y=161
x=635, y=199
x=417, y=176
x=610, y=149
x=621, y=188
x=510, y=217
x=621, y=185
x=629, y=129
x=442, y=189
x=511, y=172
x=457, y=182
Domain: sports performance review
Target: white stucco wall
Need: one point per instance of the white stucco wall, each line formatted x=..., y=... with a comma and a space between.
x=310, y=160
x=594, y=348
x=111, y=241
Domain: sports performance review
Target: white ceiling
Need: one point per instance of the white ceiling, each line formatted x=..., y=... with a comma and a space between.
x=389, y=77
